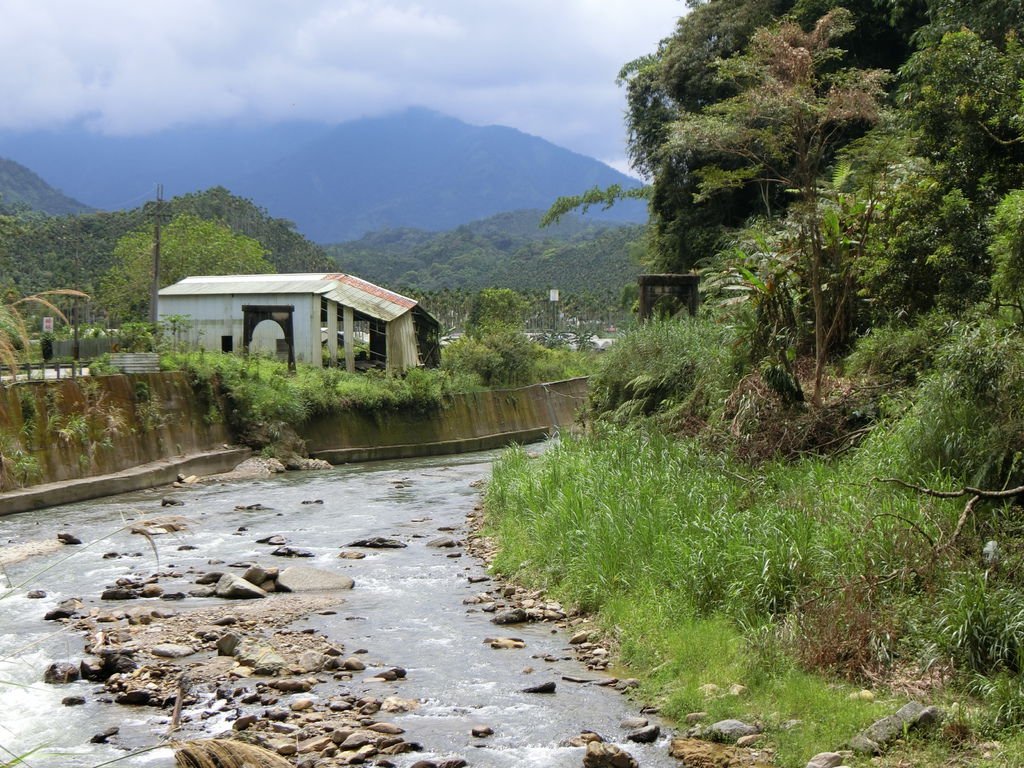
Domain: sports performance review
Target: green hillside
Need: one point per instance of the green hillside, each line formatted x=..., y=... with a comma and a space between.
x=508, y=250
x=21, y=189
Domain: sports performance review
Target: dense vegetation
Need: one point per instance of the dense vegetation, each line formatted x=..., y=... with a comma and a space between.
x=40, y=253
x=510, y=250
x=816, y=485
x=23, y=190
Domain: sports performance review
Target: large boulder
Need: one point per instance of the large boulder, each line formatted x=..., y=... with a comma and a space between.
x=881, y=734
x=302, y=578
x=600, y=755
x=236, y=588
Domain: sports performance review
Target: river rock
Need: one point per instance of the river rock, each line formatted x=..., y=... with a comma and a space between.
x=65, y=610
x=825, y=760
x=481, y=731
x=445, y=542
x=275, y=541
x=505, y=643
x=262, y=658
x=67, y=538
x=73, y=701
x=548, y=687
x=349, y=554
x=236, y=588
x=300, y=578
x=352, y=664
x=258, y=575
x=287, y=551
x=36, y=594
x=729, y=731
x=699, y=752
x=60, y=672
x=378, y=542
x=102, y=737
x=601, y=755
x=510, y=616
x=151, y=590
x=210, y=577
x=172, y=650
x=882, y=733
x=646, y=735
x=118, y=593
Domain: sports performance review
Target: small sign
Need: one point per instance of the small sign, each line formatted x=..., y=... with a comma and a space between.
x=553, y=294
x=47, y=325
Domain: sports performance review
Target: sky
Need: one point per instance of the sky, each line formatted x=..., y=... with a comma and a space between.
x=129, y=67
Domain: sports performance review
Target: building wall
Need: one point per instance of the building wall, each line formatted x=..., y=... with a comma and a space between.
x=211, y=317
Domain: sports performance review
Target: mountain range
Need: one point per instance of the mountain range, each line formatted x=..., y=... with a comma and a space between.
x=416, y=168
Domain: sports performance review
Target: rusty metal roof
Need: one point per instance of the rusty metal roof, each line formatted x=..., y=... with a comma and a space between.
x=348, y=290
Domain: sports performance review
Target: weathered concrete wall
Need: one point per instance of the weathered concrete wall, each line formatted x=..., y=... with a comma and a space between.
x=471, y=422
x=53, y=431
x=102, y=435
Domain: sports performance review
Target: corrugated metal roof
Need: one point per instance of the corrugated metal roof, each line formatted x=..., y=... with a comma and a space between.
x=348, y=290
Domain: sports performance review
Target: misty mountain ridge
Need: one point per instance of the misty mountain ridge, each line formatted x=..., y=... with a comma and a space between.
x=416, y=168
x=22, y=189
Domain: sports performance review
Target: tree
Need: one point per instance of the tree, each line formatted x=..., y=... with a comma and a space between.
x=189, y=246
x=496, y=309
x=793, y=108
x=1007, y=249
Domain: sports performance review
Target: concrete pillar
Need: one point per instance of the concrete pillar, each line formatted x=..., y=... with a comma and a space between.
x=350, y=340
x=332, y=331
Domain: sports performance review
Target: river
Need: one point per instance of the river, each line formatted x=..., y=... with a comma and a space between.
x=407, y=609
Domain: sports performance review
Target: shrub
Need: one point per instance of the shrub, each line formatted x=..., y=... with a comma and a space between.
x=672, y=368
x=499, y=358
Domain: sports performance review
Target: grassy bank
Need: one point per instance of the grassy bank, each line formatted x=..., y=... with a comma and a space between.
x=803, y=578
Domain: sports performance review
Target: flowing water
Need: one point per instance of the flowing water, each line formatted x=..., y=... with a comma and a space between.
x=406, y=610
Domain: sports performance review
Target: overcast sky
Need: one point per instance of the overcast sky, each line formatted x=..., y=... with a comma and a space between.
x=546, y=67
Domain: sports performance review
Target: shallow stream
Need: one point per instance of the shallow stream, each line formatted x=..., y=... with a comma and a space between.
x=406, y=610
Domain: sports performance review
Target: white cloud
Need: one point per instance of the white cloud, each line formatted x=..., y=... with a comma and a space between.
x=126, y=66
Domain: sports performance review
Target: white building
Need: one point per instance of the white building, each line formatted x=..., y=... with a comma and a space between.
x=302, y=318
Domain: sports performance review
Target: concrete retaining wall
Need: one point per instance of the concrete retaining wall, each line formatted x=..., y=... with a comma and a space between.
x=97, y=436
x=473, y=421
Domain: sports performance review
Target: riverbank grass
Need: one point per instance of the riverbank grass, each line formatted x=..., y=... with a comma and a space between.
x=803, y=582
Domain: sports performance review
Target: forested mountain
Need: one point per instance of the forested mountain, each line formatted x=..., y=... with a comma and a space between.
x=509, y=250
x=415, y=169
x=21, y=189
x=41, y=253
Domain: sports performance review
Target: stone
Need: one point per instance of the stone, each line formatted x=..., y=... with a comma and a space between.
x=301, y=705
x=635, y=722
x=301, y=578
x=101, y=738
x=864, y=695
x=73, y=701
x=172, y=650
x=60, y=672
x=511, y=616
x=36, y=594
x=227, y=643
x=728, y=731
x=481, y=731
x=580, y=637
x=505, y=643
x=210, y=577
x=169, y=502
x=646, y=735
x=151, y=590
x=737, y=690
x=287, y=551
x=825, y=760
x=138, y=697
x=275, y=541
x=351, y=555
x=263, y=659
x=234, y=587
x=378, y=542
x=118, y=593
x=256, y=574
x=65, y=610
x=548, y=687
x=881, y=734
x=444, y=542
x=601, y=755
x=67, y=538
x=710, y=690
x=697, y=752
x=312, y=661
x=244, y=722
x=352, y=664
x=748, y=741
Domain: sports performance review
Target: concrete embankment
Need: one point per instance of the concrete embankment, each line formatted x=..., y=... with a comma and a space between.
x=71, y=440
x=474, y=421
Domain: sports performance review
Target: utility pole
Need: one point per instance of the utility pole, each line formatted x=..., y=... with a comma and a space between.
x=154, y=291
